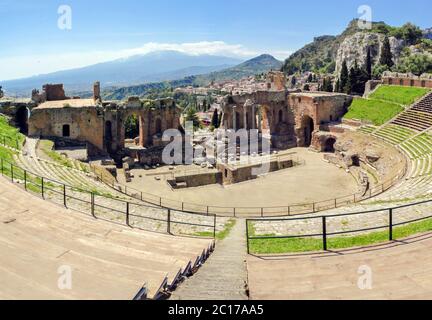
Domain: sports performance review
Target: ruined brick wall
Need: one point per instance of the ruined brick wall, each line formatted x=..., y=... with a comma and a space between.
x=276, y=81
x=54, y=92
x=284, y=117
x=408, y=82
x=317, y=108
x=85, y=124
x=233, y=175
x=153, y=121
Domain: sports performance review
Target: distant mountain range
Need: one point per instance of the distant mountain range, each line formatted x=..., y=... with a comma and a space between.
x=139, y=69
x=258, y=65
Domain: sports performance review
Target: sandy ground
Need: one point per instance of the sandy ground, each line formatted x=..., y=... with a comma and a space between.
x=314, y=181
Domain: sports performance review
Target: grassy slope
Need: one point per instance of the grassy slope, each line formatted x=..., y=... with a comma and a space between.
x=378, y=112
x=401, y=95
x=12, y=134
x=384, y=104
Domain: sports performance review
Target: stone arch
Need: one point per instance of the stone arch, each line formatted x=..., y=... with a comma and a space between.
x=132, y=126
x=307, y=129
x=21, y=119
x=237, y=120
x=329, y=145
x=248, y=122
x=281, y=116
x=108, y=136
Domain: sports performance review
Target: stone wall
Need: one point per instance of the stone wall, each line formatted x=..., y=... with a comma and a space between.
x=102, y=124
x=85, y=124
x=237, y=174
x=287, y=118
x=196, y=180
x=399, y=79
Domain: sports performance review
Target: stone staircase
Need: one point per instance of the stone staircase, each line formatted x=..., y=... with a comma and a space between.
x=224, y=276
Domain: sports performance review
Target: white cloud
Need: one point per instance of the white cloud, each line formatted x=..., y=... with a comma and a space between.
x=24, y=66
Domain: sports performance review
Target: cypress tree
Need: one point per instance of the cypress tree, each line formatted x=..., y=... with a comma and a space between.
x=215, y=119
x=386, y=58
x=337, y=87
x=369, y=64
x=344, y=78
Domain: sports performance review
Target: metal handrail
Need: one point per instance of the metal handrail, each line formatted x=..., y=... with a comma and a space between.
x=324, y=218
x=44, y=187
x=284, y=210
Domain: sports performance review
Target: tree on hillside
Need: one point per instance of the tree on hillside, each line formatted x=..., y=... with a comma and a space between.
x=344, y=79
x=410, y=33
x=327, y=85
x=337, y=86
x=191, y=116
x=357, y=80
x=416, y=63
x=386, y=58
x=369, y=63
x=1, y=92
x=215, y=119
x=310, y=78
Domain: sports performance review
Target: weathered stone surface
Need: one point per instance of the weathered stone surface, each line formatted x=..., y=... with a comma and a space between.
x=101, y=124
x=355, y=47
x=372, y=156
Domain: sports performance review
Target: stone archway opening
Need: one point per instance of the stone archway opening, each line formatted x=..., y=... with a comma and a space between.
x=237, y=121
x=108, y=136
x=329, y=145
x=21, y=119
x=158, y=127
x=308, y=128
x=132, y=127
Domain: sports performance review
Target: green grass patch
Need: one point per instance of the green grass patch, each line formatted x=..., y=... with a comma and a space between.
x=375, y=111
x=280, y=246
x=10, y=135
x=221, y=234
x=398, y=94
x=47, y=147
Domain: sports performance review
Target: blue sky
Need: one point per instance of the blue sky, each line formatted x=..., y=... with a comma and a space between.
x=32, y=43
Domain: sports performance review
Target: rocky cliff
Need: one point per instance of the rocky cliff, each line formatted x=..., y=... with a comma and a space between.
x=355, y=47
x=327, y=53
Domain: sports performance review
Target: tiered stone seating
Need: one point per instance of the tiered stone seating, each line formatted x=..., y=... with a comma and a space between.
x=424, y=105
x=107, y=261
x=418, y=146
x=394, y=134
x=367, y=129
x=414, y=120
x=66, y=175
x=110, y=204
x=418, y=117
